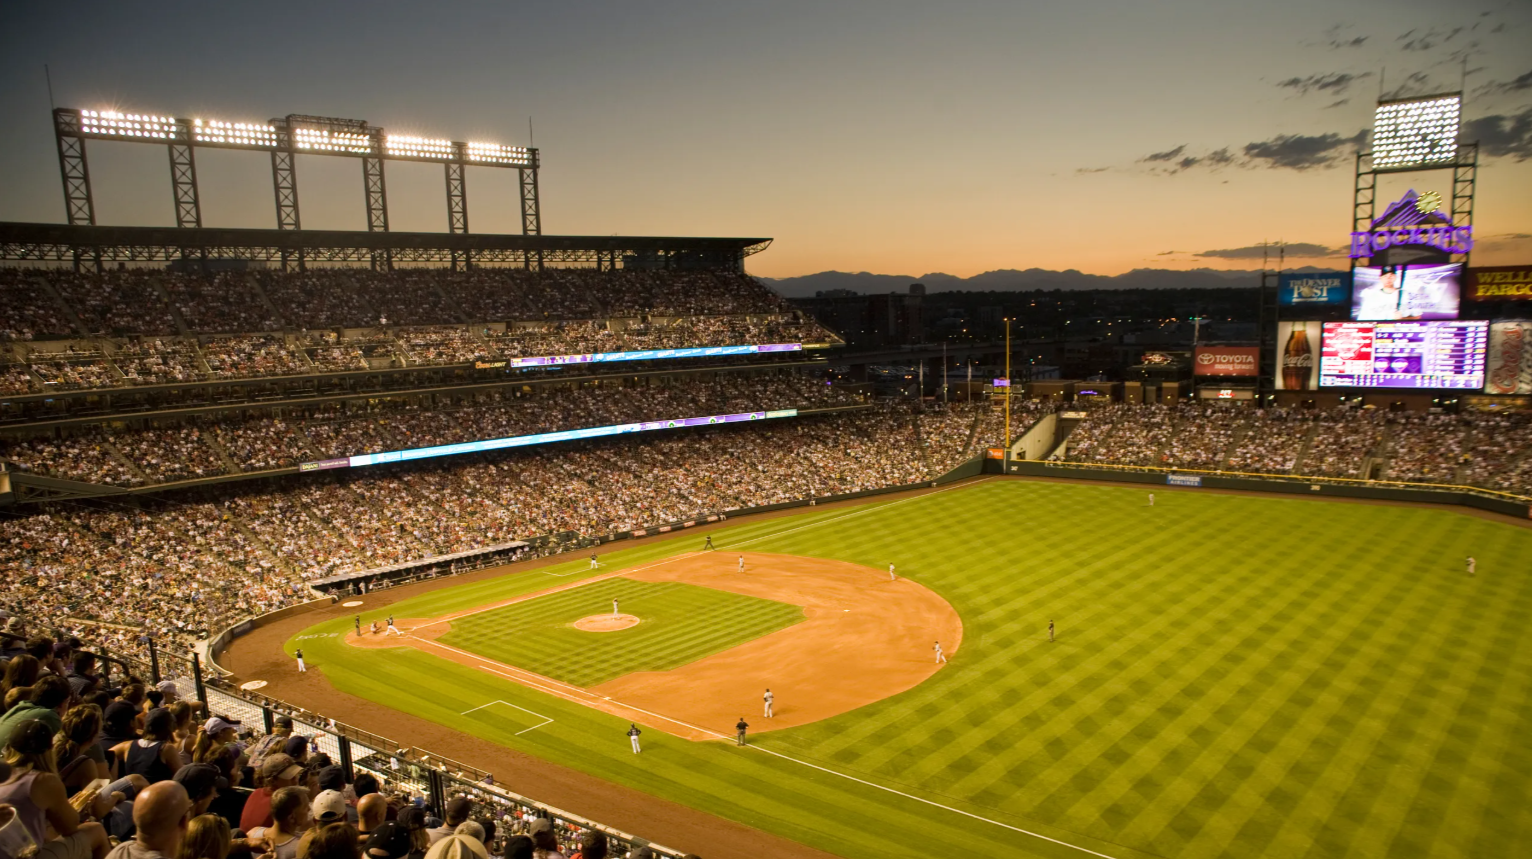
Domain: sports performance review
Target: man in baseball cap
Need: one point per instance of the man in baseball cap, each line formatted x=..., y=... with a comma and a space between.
x=328, y=807
x=398, y=838
x=277, y=771
x=202, y=783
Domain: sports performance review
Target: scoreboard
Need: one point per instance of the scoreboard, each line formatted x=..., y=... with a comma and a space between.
x=1446, y=355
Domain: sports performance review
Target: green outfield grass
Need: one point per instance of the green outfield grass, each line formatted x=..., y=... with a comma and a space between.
x=1234, y=676
x=679, y=623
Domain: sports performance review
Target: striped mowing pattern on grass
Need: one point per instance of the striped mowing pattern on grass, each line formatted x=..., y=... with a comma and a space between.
x=1234, y=676
x=679, y=623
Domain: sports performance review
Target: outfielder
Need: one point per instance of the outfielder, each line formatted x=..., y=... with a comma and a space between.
x=392, y=630
x=1151, y=499
x=708, y=546
x=769, y=698
x=1472, y=565
x=301, y=667
x=940, y=657
x=891, y=576
x=614, y=606
x=633, y=733
x=1050, y=630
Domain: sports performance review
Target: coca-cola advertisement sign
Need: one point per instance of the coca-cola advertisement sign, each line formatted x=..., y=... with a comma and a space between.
x=1228, y=360
x=1297, y=358
x=1509, y=366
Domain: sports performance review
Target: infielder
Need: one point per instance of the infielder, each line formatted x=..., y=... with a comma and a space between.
x=614, y=606
x=301, y=667
x=1050, y=630
x=891, y=576
x=392, y=630
x=741, y=727
x=742, y=563
x=593, y=563
x=940, y=657
x=708, y=546
x=633, y=733
x=769, y=698
x=1472, y=565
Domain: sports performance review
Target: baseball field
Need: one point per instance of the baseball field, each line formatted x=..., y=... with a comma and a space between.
x=1232, y=675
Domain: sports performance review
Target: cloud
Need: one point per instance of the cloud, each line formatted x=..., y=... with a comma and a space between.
x=1332, y=82
x=1418, y=83
x=1084, y=170
x=1168, y=253
x=1337, y=103
x=1348, y=43
x=1301, y=151
x=1167, y=155
x=1521, y=83
x=1415, y=40
x=1501, y=135
x=1305, y=250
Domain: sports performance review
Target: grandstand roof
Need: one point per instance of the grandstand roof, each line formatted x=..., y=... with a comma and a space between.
x=61, y=242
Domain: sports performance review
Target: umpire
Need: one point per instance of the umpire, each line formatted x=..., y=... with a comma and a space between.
x=741, y=726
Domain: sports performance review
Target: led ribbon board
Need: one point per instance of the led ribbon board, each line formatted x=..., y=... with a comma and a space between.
x=539, y=438
x=654, y=354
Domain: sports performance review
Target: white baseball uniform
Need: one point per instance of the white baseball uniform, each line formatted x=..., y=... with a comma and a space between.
x=940, y=658
x=768, y=697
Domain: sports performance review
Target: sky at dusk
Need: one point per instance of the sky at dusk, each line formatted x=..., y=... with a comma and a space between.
x=877, y=135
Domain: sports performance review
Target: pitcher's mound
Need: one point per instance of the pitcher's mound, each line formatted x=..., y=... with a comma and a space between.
x=605, y=622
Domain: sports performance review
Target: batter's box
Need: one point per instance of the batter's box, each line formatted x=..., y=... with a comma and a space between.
x=517, y=718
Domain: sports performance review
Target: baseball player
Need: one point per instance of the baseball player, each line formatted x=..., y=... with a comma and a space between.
x=374, y=628
x=1472, y=565
x=940, y=657
x=769, y=698
x=708, y=546
x=392, y=630
x=358, y=626
x=742, y=563
x=614, y=607
x=891, y=576
x=741, y=726
x=1050, y=630
x=301, y=667
x=593, y=563
x=1151, y=499
x=633, y=733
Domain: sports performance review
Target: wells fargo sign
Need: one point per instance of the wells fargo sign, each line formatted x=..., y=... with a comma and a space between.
x=1500, y=283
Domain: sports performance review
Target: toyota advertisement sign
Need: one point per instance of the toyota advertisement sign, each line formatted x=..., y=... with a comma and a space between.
x=1227, y=360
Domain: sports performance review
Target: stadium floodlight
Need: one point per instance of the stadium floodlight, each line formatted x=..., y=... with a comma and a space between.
x=404, y=146
x=259, y=135
x=327, y=140
x=494, y=153
x=1414, y=132
x=140, y=126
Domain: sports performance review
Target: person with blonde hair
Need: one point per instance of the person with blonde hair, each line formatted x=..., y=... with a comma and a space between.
x=36, y=793
x=290, y=813
x=79, y=757
x=207, y=837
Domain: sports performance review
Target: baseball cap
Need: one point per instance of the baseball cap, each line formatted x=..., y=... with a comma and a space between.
x=285, y=721
x=411, y=818
x=541, y=824
x=217, y=725
x=332, y=777
x=458, y=808
x=295, y=745
x=470, y=827
x=200, y=780
x=280, y=766
x=458, y=846
x=328, y=807
x=167, y=686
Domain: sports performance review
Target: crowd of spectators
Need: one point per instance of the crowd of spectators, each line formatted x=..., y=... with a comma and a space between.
x=32, y=309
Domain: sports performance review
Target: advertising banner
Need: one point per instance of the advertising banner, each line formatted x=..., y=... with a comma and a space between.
x=1314, y=289
x=1500, y=283
x=1509, y=368
x=1227, y=360
x=1183, y=479
x=1297, y=358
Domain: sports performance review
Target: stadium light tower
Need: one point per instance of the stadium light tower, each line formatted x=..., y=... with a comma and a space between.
x=1413, y=135
x=286, y=138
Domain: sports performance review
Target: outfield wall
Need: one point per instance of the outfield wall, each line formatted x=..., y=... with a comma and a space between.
x=1278, y=483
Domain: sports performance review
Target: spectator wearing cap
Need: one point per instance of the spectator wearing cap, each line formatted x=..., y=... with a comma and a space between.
x=279, y=771
x=544, y=844
x=160, y=815
x=472, y=828
x=333, y=777
x=402, y=838
x=297, y=748
x=203, y=784
x=216, y=733
x=328, y=807
x=49, y=701
x=272, y=742
x=458, y=846
x=458, y=810
x=169, y=692
x=33, y=789
x=152, y=755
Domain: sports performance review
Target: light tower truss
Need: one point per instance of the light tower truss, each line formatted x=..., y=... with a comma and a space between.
x=286, y=138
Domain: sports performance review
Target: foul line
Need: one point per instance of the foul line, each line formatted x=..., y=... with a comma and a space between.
x=545, y=719
x=873, y=509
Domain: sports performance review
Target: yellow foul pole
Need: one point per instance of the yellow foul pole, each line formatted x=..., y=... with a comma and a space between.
x=1007, y=455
